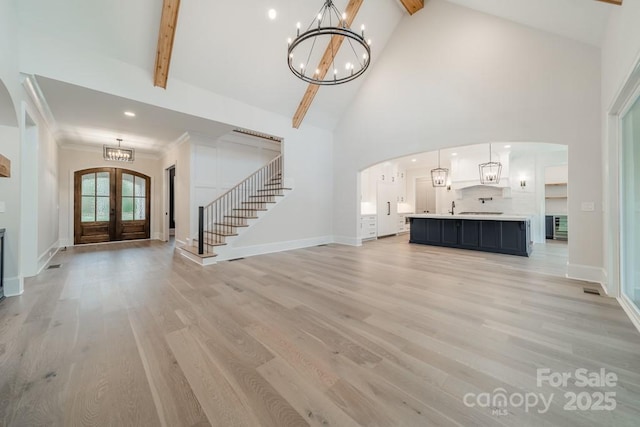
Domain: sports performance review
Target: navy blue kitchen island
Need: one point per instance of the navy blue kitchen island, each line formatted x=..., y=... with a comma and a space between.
x=505, y=234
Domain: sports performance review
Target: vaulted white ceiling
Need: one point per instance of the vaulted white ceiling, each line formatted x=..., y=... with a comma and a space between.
x=233, y=49
x=582, y=20
x=228, y=47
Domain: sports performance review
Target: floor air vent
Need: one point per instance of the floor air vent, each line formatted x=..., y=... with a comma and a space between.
x=591, y=291
x=235, y=259
x=52, y=266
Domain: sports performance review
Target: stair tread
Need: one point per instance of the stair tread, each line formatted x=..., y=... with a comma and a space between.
x=256, y=203
x=276, y=188
x=194, y=251
x=210, y=243
x=221, y=233
x=231, y=225
x=241, y=217
x=249, y=209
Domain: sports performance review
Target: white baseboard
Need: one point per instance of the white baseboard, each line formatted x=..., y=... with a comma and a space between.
x=349, y=241
x=631, y=311
x=605, y=283
x=44, y=259
x=227, y=252
x=586, y=273
x=156, y=235
x=180, y=243
x=13, y=286
x=65, y=242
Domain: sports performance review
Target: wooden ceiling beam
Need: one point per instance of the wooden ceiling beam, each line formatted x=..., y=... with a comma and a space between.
x=166, y=35
x=616, y=2
x=412, y=6
x=325, y=63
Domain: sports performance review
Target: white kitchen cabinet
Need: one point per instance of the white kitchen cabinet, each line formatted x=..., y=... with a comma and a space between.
x=368, y=227
x=387, y=208
x=402, y=186
x=403, y=225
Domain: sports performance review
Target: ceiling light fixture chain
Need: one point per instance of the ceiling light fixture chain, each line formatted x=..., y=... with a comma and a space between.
x=323, y=26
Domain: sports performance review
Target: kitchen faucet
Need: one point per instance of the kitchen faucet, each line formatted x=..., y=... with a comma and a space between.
x=453, y=207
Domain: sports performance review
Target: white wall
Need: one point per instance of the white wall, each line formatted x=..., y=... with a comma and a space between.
x=48, y=212
x=620, y=55
x=451, y=76
x=72, y=159
x=180, y=157
x=219, y=165
x=38, y=186
x=10, y=147
x=303, y=217
x=10, y=195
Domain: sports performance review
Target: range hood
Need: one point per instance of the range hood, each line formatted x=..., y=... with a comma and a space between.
x=473, y=189
x=465, y=172
x=459, y=185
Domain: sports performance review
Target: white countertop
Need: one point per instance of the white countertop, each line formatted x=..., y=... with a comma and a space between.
x=501, y=217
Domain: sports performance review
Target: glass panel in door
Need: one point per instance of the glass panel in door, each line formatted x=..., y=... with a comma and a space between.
x=630, y=186
x=93, y=206
x=133, y=199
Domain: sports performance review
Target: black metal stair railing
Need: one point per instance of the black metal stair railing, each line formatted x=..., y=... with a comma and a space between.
x=232, y=210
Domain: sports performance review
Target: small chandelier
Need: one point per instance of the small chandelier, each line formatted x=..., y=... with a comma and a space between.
x=439, y=175
x=333, y=26
x=490, y=171
x=118, y=154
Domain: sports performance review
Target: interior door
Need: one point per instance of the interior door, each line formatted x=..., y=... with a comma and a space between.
x=111, y=204
x=387, y=208
x=172, y=197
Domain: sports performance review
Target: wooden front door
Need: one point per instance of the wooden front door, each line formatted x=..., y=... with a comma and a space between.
x=111, y=204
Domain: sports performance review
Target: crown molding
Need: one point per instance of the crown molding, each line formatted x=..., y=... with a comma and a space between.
x=32, y=88
x=91, y=148
x=174, y=144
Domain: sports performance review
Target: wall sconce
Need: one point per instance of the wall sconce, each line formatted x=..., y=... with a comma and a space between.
x=523, y=183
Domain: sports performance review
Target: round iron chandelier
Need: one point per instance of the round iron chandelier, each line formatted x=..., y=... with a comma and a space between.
x=334, y=66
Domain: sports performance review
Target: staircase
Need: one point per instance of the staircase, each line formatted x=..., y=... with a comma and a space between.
x=230, y=214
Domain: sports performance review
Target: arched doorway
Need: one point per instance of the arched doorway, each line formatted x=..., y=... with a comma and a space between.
x=111, y=204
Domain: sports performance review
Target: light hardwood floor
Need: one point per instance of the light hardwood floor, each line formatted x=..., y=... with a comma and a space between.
x=389, y=334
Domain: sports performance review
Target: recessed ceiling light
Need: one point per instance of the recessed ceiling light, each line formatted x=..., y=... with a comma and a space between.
x=454, y=154
x=129, y=114
x=414, y=160
x=272, y=14
x=507, y=146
